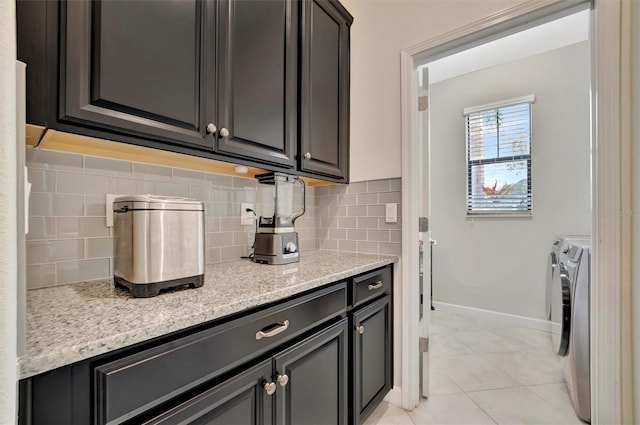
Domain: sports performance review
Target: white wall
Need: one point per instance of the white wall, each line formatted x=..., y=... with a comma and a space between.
x=8, y=260
x=380, y=30
x=499, y=264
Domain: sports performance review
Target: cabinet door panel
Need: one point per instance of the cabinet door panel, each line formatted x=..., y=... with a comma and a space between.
x=241, y=400
x=372, y=356
x=138, y=67
x=317, y=389
x=257, y=93
x=325, y=90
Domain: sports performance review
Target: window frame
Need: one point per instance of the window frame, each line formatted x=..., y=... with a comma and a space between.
x=470, y=213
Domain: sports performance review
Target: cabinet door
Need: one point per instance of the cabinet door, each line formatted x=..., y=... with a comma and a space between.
x=324, y=90
x=257, y=92
x=138, y=67
x=241, y=400
x=316, y=391
x=371, y=356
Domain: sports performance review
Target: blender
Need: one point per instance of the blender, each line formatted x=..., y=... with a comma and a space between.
x=276, y=240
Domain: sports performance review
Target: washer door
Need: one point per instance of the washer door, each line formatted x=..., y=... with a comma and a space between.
x=561, y=310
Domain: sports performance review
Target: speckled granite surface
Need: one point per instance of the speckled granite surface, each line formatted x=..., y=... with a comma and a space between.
x=69, y=323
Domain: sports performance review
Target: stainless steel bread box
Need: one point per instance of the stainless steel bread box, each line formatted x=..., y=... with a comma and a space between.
x=158, y=243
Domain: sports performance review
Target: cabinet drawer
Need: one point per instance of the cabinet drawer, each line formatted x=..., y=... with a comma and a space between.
x=371, y=285
x=131, y=385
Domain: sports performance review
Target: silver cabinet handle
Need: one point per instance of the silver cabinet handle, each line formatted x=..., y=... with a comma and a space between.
x=273, y=332
x=307, y=155
x=211, y=128
x=224, y=132
x=360, y=329
x=269, y=387
x=376, y=285
x=283, y=380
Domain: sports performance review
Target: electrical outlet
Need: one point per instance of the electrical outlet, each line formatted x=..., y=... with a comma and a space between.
x=247, y=218
x=109, y=208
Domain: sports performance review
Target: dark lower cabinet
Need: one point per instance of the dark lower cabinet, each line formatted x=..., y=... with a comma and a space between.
x=371, y=368
x=312, y=359
x=241, y=400
x=316, y=389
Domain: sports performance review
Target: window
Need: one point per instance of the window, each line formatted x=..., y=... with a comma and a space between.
x=499, y=158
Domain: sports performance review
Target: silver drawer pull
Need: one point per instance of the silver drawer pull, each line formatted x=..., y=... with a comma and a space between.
x=273, y=332
x=376, y=285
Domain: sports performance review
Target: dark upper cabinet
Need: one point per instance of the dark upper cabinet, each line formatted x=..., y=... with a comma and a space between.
x=324, y=108
x=139, y=67
x=257, y=92
x=313, y=380
x=372, y=363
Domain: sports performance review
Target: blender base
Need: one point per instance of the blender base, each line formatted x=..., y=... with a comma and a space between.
x=272, y=248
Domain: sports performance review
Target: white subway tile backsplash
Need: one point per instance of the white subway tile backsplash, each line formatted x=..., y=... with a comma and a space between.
x=51, y=160
x=357, y=234
x=244, y=182
x=368, y=247
x=181, y=175
x=170, y=189
x=82, y=270
x=378, y=235
x=233, y=253
x=329, y=244
x=395, y=184
x=376, y=211
x=347, y=222
x=86, y=184
x=375, y=186
x=41, y=228
x=367, y=222
x=107, y=166
x=41, y=275
x=212, y=255
x=42, y=180
x=216, y=240
x=337, y=233
x=360, y=187
x=219, y=180
x=390, y=197
x=95, y=205
x=348, y=246
x=152, y=172
x=99, y=248
x=49, y=251
x=124, y=186
x=348, y=199
x=368, y=199
x=56, y=204
x=391, y=249
x=358, y=211
x=81, y=227
x=395, y=236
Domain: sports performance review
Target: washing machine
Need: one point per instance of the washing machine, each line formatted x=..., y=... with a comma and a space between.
x=552, y=263
x=570, y=314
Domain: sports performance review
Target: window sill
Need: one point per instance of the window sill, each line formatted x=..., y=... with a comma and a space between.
x=483, y=215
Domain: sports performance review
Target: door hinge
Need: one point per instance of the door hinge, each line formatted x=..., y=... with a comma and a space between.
x=424, y=344
x=423, y=103
x=423, y=224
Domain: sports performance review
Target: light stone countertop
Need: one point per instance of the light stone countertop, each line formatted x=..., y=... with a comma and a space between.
x=74, y=322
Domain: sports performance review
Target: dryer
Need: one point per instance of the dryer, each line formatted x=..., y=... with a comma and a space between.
x=552, y=263
x=571, y=291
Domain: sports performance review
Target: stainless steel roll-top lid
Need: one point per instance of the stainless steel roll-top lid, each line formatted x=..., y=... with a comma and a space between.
x=156, y=202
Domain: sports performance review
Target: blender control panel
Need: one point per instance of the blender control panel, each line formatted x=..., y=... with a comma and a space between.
x=290, y=244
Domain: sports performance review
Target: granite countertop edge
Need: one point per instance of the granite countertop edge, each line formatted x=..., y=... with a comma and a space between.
x=40, y=359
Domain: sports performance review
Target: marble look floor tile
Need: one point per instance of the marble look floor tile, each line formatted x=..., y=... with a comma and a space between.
x=529, y=367
x=529, y=338
x=449, y=409
x=486, y=341
x=446, y=345
x=440, y=383
x=388, y=414
x=453, y=322
x=518, y=406
x=473, y=373
x=557, y=395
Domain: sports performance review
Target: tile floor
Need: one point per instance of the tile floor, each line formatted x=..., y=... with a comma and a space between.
x=484, y=372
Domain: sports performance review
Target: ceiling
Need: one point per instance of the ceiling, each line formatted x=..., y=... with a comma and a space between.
x=542, y=38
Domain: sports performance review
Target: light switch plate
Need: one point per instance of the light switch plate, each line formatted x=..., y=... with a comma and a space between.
x=391, y=213
x=109, y=208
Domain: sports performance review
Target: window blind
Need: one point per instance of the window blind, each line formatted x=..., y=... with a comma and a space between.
x=499, y=158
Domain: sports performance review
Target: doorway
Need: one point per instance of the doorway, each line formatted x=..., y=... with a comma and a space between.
x=606, y=154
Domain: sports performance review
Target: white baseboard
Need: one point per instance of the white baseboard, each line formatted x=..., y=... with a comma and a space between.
x=506, y=318
x=394, y=396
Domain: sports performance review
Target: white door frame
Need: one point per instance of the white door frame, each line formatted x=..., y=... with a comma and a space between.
x=606, y=348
